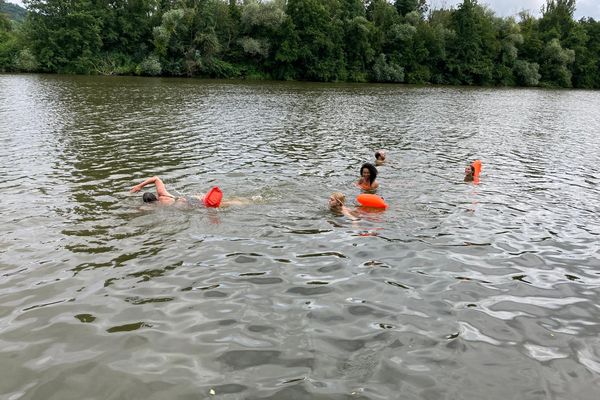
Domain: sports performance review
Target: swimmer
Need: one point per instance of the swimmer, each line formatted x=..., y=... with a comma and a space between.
x=368, y=174
x=469, y=173
x=472, y=172
x=379, y=157
x=337, y=204
x=163, y=197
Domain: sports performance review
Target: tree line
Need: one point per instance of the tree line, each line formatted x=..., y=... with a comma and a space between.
x=317, y=40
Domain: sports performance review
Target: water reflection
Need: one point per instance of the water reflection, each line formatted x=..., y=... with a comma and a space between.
x=455, y=291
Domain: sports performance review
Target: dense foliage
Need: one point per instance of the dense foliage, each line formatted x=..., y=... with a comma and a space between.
x=318, y=40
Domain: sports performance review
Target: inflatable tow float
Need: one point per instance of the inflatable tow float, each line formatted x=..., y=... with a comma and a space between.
x=371, y=200
x=213, y=197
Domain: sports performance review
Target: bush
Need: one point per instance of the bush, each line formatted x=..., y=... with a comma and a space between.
x=387, y=72
x=26, y=61
x=149, y=66
x=527, y=73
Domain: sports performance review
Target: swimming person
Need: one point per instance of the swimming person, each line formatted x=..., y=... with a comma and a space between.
x=210, y=199
x=379, y=157
x=472, y=172
x=469, y=173
x=368, y=174
x=337, y=204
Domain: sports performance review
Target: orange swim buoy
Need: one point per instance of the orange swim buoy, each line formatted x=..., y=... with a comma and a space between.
x=476, y=168
x=213, y=197
x=371, y=200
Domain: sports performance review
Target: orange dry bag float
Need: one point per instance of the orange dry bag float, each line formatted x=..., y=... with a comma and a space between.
x=371, y=200
x=213, y=197
x=476, y=168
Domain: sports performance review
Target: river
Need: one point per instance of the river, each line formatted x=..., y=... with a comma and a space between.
x=456, y=291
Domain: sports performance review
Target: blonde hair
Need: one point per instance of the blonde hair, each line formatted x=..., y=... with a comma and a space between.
x=339, y=196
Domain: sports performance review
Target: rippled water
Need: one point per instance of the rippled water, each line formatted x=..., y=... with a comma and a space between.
x=457, y=291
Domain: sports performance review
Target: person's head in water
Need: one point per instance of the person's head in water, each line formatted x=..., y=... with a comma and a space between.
x=368, y=173
x=469, y=173
x=379, y=157
x=149, y=197
x=336, y=200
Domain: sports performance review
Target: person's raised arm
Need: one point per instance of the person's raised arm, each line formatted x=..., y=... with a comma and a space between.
x=161, y=190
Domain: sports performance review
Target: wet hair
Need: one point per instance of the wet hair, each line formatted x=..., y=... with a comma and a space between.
x=372, y=172
x=149, y=198
x=378, y=155
x=339, y=196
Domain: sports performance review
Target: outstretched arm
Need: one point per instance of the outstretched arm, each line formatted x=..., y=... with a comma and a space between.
x=161, y=190
x=349, y=214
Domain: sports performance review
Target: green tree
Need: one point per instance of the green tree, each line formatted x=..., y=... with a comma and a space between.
x=7, y=42
x=475, y=45
x=555, y=63
x=386, y=71
x=357, y=47
x=383, y=16
x=187, y=40
x=438, y=37
x=526, y=73
x=533, y=45
x=509, y=37
x=588, y=60
x=358, y=32
x=126, y=25
x=407, y=6
x=319, y=52
x=64, y=36
x=260, y=24
x=287, y=52
x=557, y=19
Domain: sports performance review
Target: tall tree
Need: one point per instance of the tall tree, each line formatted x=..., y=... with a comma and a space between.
x=260, y=24
x=320, y=54
x=557, y=19
x=475, y=45
x=407, y=6
x=64, y=35
x=6, y=41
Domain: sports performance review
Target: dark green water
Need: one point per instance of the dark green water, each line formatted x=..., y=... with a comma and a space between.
x=457, y=291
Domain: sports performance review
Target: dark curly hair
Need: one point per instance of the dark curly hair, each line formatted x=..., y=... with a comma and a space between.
x=372, y=172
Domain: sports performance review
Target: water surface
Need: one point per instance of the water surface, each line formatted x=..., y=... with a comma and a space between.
x=457, y=291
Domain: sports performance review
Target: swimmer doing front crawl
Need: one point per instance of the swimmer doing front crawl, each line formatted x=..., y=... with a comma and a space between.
x=213, y=198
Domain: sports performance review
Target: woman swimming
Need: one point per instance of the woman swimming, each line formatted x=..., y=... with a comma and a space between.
x=337, y=204
x=368, y=174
